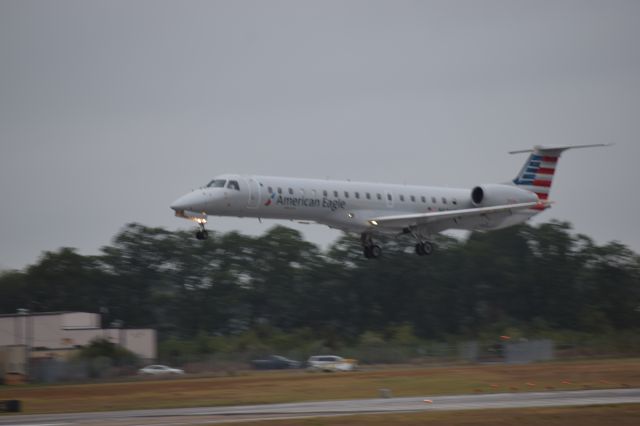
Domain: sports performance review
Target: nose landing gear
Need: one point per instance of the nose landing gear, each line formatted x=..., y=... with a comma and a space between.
x=202, y=233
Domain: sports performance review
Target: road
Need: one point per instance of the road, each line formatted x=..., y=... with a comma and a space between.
x=213, y=415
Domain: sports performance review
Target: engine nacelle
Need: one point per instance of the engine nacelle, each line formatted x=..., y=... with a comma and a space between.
x=496, y=194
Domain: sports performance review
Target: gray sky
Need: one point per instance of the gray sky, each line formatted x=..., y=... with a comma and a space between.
x=109, y=110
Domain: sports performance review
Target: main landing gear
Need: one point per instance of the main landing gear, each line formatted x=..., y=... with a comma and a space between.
x=424, y=248
x=371, y=250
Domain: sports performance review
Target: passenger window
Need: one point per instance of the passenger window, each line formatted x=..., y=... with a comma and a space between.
x=444, y=200
x=433, y=200
x=358, y=195
x=290, y=191
x=389, y=197
x=279, y=190
x=324, y=193
x=455, y=202
x=270, y=189
x=423, y=199
x=346, y=194
x=402, y=198
x=233, y=184
x=379, y=196
x=335, y=194
x=413, y=198
x=368, y=196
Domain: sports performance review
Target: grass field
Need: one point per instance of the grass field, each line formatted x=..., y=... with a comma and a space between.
x=253, y=387
x=619, y=415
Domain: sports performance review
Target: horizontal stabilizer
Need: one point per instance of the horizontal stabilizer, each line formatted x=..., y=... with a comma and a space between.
x=556, y=150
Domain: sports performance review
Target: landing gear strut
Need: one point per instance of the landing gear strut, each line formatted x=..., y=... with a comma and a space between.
x=370, y=250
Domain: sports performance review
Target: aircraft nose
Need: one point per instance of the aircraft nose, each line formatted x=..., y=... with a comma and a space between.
x=192, y=201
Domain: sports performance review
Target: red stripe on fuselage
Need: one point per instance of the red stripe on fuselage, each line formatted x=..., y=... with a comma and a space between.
x=545, y=171
x=548, y=159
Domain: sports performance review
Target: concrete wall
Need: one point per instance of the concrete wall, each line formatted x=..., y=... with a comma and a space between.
x=66, y=330
x=13, y=359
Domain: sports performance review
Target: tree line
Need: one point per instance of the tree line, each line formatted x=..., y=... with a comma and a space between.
x=534, y=278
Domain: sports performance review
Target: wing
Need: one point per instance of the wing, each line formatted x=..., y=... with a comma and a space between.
x=473, y=218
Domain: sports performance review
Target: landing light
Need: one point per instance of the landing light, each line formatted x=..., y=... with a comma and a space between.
x=373, y=222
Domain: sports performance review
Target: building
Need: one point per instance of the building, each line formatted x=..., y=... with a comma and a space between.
x=57, y=334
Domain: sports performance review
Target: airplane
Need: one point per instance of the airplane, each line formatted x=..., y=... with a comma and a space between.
x=376, y=209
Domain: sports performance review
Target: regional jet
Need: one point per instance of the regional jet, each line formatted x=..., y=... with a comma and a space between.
x=375, y=209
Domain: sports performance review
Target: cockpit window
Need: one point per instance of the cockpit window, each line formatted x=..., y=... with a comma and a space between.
x=233, y=184
x=217, y=183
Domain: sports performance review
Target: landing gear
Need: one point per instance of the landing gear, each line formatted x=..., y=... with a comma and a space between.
x=370, y=250
x=202, y=233
x=424, y=248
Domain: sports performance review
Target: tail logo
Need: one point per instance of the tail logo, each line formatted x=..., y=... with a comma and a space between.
x=537, y=174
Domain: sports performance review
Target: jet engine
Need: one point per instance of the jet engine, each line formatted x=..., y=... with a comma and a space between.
x=496, y=195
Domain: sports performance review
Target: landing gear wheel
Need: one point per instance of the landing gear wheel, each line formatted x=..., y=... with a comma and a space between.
x=424, y=249
x=372, y=252
x=427, y=248
x=202, y=235
x=375, y=251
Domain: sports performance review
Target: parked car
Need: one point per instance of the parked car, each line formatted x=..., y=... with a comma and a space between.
x=159, y=370
x=275, y=362
x=331, y=363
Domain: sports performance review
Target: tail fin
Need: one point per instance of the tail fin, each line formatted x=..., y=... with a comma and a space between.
x=537, y=173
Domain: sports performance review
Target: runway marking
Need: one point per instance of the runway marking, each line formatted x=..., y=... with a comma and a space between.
x=213, y=415
x=44, y=424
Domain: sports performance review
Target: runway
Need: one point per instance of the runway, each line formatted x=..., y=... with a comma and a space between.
x=213, y=415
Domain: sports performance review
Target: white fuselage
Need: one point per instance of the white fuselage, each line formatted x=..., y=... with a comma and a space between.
x=343, y=205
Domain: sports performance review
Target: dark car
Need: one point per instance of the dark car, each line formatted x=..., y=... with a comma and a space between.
x=275, y=362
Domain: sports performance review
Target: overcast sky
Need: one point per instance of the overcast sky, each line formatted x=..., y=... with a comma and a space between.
x=110, y=110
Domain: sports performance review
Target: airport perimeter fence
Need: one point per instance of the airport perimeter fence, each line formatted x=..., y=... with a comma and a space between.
x=427, y=354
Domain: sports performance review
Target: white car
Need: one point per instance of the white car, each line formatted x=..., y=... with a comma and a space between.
x=159, y=370
x=331, y=363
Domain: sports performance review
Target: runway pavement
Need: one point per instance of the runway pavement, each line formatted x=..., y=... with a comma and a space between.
x=213, y=415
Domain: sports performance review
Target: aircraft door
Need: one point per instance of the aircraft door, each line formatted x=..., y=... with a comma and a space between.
x=389, y=197
x=254, y=193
